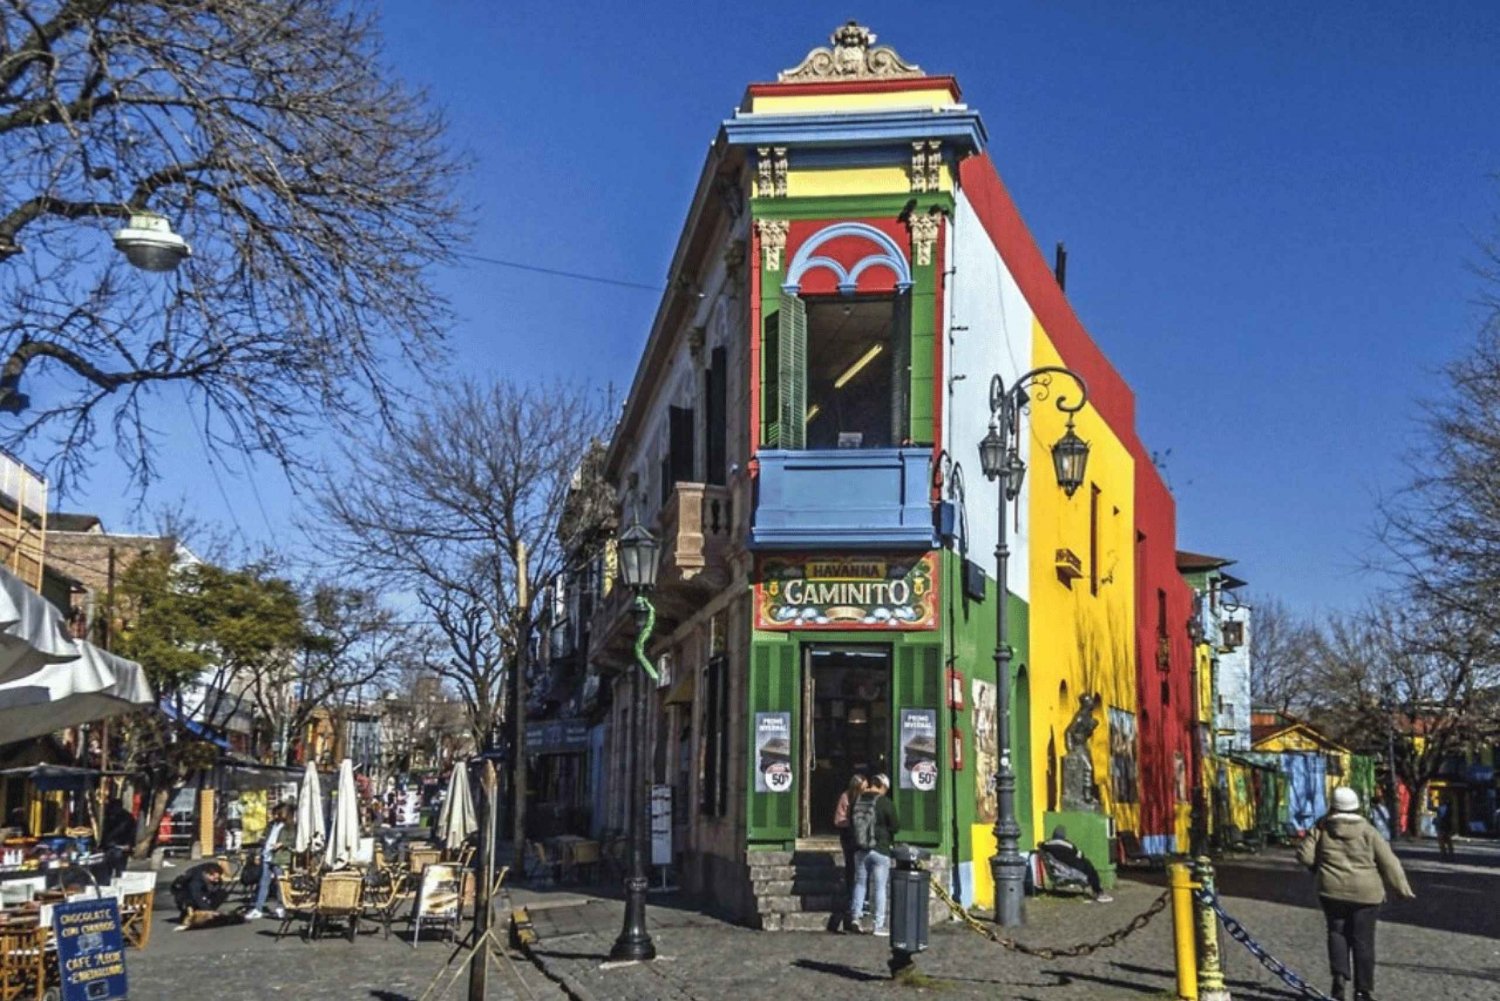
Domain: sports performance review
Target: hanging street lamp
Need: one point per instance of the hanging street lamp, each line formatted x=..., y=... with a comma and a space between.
x=148, y=242
x=639, y=554
x=1000, y=457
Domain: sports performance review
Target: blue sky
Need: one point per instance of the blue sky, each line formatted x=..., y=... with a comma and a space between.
x=1271, y=212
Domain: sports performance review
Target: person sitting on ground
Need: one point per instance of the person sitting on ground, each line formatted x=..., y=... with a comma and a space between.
x=1060, y=849
x=198, y=894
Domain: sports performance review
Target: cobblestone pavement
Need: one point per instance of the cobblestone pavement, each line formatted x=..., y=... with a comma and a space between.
x=1445, y=944
x=246, y=963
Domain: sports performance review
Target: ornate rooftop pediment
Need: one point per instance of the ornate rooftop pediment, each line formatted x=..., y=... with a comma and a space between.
x=854, y=55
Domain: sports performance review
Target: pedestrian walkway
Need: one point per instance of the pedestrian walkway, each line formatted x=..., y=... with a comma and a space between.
x=704, y=959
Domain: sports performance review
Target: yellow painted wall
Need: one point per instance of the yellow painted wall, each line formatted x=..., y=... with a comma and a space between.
x=1079, y=639
x=804, y=104
x=854, y=181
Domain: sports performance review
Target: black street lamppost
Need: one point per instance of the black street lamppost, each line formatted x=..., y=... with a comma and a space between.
x=638, y=560
x=1000, y=458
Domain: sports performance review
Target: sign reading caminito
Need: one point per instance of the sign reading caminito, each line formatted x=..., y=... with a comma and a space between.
x=90, y=950
x=888, y=591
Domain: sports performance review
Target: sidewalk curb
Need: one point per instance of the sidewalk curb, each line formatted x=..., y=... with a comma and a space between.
x=569, y=986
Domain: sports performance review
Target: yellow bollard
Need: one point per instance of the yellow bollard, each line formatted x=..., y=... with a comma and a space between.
x=1181, y=882
x=1210, y=974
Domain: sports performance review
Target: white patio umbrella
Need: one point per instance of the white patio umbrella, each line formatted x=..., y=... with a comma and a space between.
x=33, y=633
x=456, y=819
x=309, y=810
x=92, y=686
x=343, y=837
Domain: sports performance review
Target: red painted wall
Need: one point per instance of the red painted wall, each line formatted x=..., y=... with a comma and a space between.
x=1165, y=725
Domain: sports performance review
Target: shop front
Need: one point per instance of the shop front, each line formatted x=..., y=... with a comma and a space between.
x=846, y=678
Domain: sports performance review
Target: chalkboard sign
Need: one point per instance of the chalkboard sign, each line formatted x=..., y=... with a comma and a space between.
x=90, y=950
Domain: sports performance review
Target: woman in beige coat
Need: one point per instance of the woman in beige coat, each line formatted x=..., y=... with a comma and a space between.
x=1354, y=864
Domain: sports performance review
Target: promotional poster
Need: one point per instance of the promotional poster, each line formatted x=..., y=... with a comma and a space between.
x=919, y=764
x=773, y=752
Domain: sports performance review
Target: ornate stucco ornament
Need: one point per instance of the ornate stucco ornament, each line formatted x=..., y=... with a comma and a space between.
x=772, y=241
x=854, y=54
x=924, y=231
x=927, y=165
x=770, y=172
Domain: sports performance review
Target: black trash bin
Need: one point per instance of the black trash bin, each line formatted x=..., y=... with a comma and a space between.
x=908, y=902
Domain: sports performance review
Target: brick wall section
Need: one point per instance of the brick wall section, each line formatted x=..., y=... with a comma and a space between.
x=84, y=556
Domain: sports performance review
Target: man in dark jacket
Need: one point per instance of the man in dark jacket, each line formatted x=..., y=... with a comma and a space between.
x=874, y=824
x=118, y=836
x=1060, y=848
x=198, y=894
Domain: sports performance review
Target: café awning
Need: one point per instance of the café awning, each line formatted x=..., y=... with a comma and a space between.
x=33, y=633
x=93, y=685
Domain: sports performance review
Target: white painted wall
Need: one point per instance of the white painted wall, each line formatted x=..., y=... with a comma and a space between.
x=990, y=332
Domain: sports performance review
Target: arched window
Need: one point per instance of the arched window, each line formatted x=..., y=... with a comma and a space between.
x=837, y=365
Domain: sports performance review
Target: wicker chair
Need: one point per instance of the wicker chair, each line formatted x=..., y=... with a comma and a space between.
x=339, y=895
x=298, y=893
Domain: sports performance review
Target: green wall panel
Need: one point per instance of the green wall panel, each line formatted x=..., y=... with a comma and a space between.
x=774, y=687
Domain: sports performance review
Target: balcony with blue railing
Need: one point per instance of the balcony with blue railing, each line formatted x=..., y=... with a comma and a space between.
x=868, y=498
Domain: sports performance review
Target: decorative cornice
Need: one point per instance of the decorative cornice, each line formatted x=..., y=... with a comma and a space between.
x=853, y=55
x=924, y=231
x=772, y=241
x=770, y=172
x=960, y=128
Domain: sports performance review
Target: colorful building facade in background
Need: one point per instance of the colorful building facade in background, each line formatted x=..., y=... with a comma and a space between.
x=802, y=435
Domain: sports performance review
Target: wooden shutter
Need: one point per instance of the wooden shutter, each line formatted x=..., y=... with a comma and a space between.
x=919, y=685
x=717, y=418
x=791, y=375
x=680, y=445
x=773, y=688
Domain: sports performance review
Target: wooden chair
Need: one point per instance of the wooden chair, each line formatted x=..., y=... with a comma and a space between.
x=137, y=891
x=23, y=960
x=298, y=893
x=387, y=891
x=584, y=860
x=543, y=861
x=418, y=859
x=339, y=895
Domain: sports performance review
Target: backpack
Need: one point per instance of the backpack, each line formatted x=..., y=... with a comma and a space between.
x=862, y=822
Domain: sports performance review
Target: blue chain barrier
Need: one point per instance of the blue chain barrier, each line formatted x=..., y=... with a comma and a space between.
x=1239, y=934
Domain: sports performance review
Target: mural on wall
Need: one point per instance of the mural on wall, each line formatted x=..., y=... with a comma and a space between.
x=885, y=591
x=1078, y=789
x=986, y=760
x=1180, y=777
x=1122, y=756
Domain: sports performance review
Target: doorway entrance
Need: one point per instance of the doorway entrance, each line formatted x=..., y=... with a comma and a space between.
x=846, y=720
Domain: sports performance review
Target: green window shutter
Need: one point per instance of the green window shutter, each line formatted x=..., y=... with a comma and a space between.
x=770, y=381
x=919, y=685
x=773, y=688
x=901, y=370
x=791, y=356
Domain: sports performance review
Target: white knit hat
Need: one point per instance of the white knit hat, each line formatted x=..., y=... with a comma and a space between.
x=1345, y=800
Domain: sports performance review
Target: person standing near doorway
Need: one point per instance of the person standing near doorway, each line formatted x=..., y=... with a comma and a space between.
x=1353, y=865
x=846, y=801
x=873, y=823
x=1447, y=826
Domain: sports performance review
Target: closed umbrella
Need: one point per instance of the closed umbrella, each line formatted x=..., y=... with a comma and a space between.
x=92, y=686
x=309, y=811
x=343, y=837
x=456, y=819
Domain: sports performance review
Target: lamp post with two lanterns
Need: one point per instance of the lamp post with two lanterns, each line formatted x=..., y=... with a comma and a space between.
x=1000, y=458
x=639, y=552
